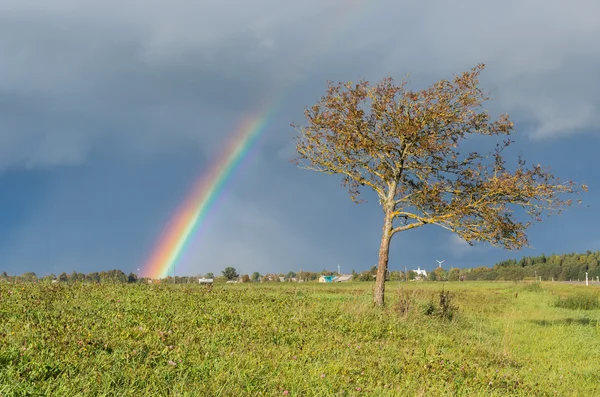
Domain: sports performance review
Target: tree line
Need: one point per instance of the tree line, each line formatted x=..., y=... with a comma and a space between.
x=116, y=276
x=563, y=267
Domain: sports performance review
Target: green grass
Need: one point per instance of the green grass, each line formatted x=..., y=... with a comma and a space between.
x=579, y=301
x=307, y=340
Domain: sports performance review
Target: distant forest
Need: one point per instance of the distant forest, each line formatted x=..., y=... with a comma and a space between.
x=564, y=267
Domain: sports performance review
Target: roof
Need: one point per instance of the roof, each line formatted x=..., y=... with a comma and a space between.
x=343, y=277
x=420, y=272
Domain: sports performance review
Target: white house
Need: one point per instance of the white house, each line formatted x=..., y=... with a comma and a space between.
x=420, y=274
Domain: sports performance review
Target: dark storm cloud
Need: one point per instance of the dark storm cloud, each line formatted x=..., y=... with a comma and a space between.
x=131, y=63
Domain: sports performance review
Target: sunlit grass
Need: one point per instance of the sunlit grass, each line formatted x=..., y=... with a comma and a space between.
x=295, y=339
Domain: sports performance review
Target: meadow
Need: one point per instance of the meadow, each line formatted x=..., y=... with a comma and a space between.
x=310, y=339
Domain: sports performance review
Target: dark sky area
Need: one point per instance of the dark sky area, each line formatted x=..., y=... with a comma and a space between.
x=110, y=111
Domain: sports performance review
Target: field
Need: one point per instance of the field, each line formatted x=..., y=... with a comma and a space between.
x=489, y=339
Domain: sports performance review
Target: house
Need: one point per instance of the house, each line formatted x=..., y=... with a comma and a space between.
x=205, y=280
x=344, y=278
x=326, y=279
x=420, y=274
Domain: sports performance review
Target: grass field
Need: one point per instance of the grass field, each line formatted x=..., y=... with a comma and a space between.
x=298, y=340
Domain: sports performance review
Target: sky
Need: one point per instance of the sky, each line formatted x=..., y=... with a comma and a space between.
x=111, y=111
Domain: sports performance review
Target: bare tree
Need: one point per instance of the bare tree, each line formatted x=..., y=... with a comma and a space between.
x=406, y=146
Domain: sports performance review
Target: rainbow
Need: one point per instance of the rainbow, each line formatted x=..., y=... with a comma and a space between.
x=191, y=215
x=195, y=208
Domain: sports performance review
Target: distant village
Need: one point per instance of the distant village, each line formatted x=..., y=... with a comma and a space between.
x=323, y=277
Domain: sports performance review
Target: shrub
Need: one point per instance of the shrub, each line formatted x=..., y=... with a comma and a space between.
x=406, y=302
x=445, y=308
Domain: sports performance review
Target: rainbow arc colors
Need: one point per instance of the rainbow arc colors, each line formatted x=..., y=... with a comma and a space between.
x=191, y=214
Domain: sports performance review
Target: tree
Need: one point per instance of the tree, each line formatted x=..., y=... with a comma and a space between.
x=132, y=278
x=29, y=277
x=396, y=275
x=210, y=275
x=290, y=276
x=438, y=274
x=230, y=273
x=63, y=278
x=255, y=277
x=406, y=146
x=94, y=277
x=365, y=276
x=48, y=278
x=432, y=276
x=245, y=278
x=453, y=274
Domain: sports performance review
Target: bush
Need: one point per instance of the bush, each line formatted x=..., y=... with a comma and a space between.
x=581, y=301
x=445, y=309
x=405, y=303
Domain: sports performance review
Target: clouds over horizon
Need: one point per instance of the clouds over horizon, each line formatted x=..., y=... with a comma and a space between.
x=142, y=87
x=87, y=69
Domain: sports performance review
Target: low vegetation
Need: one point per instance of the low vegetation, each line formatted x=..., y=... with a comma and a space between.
x=579, y=301
x=309, y=339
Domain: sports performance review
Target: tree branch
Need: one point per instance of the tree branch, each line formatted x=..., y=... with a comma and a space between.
x=407, y=227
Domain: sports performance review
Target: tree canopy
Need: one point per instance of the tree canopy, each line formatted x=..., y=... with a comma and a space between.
x=230, y=273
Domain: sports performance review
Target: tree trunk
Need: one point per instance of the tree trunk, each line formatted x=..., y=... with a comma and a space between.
x=384, y=251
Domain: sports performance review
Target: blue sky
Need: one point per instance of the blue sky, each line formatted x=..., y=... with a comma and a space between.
x=110, y=111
